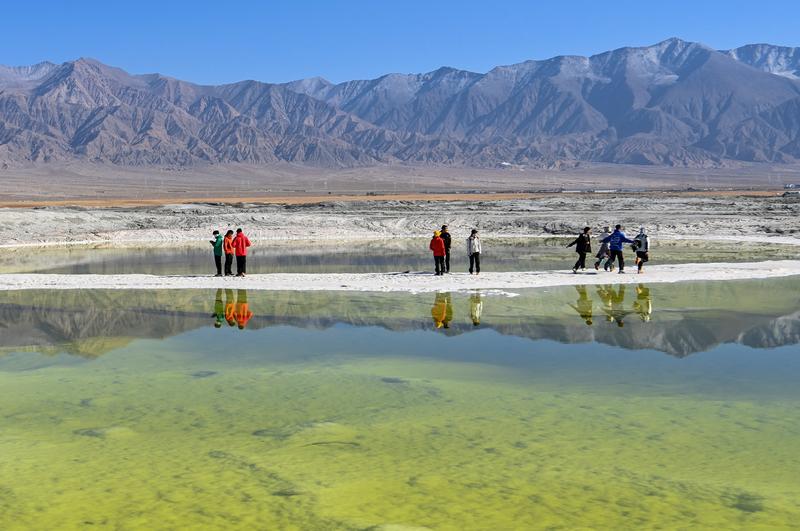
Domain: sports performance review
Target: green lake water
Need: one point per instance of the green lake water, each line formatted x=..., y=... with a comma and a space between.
x=676, y=407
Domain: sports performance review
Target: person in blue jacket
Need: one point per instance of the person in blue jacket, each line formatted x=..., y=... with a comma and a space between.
x=615, y=242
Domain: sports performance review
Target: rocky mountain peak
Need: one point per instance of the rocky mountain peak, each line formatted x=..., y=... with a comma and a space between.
x=674, y=103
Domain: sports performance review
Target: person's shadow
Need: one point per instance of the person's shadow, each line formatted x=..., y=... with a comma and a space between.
x=643, y=305
x=475, y=308
x=243, y=313
x=219, y=309
x=614, y=303
x=442, y=310
x=583, y=305
x=230, y=308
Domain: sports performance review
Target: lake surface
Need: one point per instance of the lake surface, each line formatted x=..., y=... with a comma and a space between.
x=510, y=254
x=607, y=407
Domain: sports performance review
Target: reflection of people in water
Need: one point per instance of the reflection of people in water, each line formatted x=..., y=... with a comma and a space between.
x=614, y=303
x=644, y=303
x=583, y=305
x=219, y=310
x=475, y=308
x=442, y=310
x=243, y=313
x=230, y=308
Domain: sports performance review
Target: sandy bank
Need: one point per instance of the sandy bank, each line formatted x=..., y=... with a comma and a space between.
x=407, y=282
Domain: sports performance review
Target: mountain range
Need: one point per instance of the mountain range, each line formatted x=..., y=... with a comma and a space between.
x=675, y=103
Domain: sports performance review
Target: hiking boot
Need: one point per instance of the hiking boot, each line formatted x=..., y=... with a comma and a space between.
x=621, y=271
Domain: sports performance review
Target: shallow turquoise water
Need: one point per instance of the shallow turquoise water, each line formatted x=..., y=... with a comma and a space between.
x=134, y=410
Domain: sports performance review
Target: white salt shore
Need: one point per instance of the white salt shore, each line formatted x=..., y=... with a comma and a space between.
x=418, y=282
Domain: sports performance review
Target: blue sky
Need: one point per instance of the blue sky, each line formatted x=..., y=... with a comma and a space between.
x=217, y=42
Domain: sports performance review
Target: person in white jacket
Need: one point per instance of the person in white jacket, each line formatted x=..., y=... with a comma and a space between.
x=474, y=252
x=642, y=245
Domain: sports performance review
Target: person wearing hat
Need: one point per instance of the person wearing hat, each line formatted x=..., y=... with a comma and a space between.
x=439, y=251
x=447, y=242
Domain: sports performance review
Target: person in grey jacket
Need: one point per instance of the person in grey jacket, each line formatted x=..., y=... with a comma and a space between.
x=474, y=252
x=604, y=252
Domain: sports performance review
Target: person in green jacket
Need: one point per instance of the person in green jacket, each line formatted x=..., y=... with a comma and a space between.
x=217, y=244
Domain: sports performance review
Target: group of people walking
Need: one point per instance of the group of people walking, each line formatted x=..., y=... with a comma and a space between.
x=441, y=244
x=611, y=247
x=227, y=247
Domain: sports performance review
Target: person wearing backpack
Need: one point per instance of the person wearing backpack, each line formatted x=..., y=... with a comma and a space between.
x=642, y=245
x=583, y=246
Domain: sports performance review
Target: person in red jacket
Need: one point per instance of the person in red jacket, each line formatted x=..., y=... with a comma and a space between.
x=439, y=252
x=240, y=245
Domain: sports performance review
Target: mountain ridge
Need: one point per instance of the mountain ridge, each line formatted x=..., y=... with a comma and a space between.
x=675, y=103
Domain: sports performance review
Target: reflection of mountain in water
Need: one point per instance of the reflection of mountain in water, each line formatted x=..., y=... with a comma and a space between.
x=675, y=319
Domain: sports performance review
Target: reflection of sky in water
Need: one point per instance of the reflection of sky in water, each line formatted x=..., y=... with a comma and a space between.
x=356, y=411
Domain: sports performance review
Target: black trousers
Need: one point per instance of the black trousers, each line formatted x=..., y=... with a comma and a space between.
x=643, y=257
x=228, y=264
x=447, y=261
x=218, y=263
x=618, y=256
x=438, y=262
x=475, y=262
x=241, y=265
x=581, y=263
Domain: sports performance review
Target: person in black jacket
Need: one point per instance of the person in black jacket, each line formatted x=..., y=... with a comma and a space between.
x=447, y=241
x=583, y=245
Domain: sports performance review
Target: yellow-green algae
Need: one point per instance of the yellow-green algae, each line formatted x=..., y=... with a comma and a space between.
x=285, y=428
x=138, y=440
